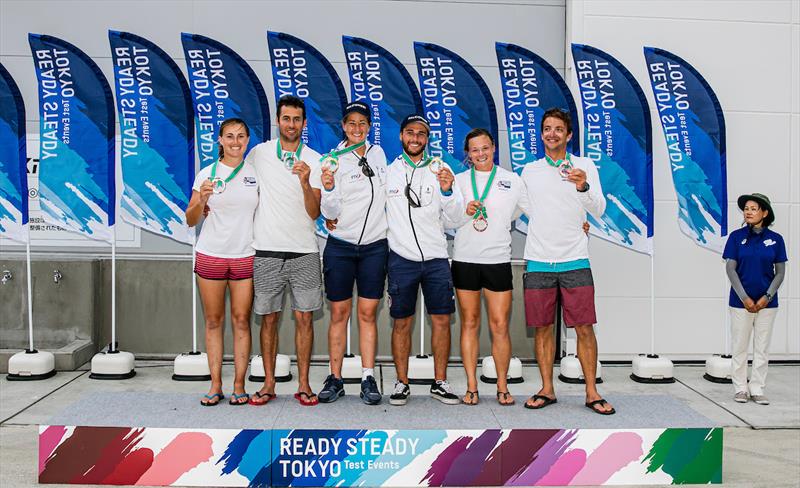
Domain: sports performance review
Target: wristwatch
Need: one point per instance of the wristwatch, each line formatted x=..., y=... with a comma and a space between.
x=585, y=187
x=769, y=297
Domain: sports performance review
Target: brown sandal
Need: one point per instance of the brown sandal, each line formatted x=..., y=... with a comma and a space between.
x=502, y=398
x=473, y=398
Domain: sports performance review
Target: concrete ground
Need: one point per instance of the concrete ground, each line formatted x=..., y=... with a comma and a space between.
x=761, y=443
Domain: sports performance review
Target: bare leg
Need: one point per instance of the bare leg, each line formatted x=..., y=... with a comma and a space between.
x=587, y=355
x=212, y=295
x=303, y=343
x=440, y=343
x=337, y=334
x=545, y=355
x=469, y=304
x=269, y=349
x=401, y=346
x=241, y=304
x=367, y=330
x=498, y=305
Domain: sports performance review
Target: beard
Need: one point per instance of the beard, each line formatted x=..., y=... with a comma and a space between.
x=414, y=153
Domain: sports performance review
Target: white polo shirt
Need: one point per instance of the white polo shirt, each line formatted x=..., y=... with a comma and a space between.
x=282, y=223
x=506, y=201
x=227, y=230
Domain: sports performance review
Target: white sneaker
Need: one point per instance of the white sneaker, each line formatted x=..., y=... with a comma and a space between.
x=442, y=391
x=740, y=397
x=760, y=399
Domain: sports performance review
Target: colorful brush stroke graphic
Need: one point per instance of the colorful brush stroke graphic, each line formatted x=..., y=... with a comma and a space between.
x=77, y=177
x=694, y=130
x=13, y=157
x=618, y=138
x=301, y=457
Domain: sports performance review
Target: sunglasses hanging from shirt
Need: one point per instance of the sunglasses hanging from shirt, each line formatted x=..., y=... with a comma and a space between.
x=218, y=184
x=480, y=220
x=330, y=161
x=289, y=157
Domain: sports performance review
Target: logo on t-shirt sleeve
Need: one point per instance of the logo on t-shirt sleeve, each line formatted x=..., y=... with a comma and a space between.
x=249, y=181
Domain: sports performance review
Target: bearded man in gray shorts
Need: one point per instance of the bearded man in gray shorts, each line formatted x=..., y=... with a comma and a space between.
x=287, y=254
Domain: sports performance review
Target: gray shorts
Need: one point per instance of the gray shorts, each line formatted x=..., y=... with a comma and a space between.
x=273, y=272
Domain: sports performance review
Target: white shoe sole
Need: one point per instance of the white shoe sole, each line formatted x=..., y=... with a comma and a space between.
x=446, y=401
x=398, y=403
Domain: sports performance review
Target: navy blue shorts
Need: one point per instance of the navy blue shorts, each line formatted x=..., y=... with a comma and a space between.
x=406, y=276
x=345, y=264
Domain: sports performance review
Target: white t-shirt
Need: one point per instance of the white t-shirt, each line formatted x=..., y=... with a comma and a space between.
x=282, y=223
x=507, y=199
x=353, y=200
x=227, y=230
x=557, y=211
x=423, y=227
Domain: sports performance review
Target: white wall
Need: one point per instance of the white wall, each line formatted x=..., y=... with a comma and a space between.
x=749, y=53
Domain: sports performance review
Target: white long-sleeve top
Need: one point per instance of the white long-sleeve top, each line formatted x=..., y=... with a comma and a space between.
x=427, y=221
x=358, y=205
x=557, y=211
x=281, y=222
x=507, y=199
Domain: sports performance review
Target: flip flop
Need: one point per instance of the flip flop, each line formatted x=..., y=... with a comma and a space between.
x=234, y=400
x=473, y=398
x=306, y=399
x=257, y=397
x=206, y=402
x=547, y=401
x=591, y=405
x=504, y=395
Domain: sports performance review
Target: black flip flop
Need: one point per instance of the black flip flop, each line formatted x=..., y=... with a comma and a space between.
x=504, y=395
x=208, y=403
x=547, y=401
x=591, y=405
x=234, y=400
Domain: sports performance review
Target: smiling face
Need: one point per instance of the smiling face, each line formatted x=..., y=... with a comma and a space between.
x=481, y=152
x=555, y=135
x=233, y=139
x=753, y=213
x=290, y=124
x=414, y=138
x=356, y=128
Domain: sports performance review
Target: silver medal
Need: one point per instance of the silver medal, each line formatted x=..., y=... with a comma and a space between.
x=436, y=164
x=330, y=163
x=217, y=185
x=289, y=160
x=480, y=224
x=564, y=169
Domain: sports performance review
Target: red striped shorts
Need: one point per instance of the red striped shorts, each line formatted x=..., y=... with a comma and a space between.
x=212, y=268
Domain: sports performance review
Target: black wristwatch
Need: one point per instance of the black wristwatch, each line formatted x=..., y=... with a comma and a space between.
x=769, y=297
x=585, y=187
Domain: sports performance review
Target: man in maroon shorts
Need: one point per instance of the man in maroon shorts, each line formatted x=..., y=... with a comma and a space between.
x=561, y=189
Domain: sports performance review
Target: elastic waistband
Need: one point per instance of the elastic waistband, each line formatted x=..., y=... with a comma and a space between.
x=281, y=254
x=545, y=267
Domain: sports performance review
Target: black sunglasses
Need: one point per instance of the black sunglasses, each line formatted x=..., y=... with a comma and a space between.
x=412, y=197
x=365, y=167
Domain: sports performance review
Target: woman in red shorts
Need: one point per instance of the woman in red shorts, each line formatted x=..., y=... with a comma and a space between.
x=224, y=253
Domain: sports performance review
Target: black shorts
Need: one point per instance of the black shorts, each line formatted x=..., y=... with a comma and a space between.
x=474, y=277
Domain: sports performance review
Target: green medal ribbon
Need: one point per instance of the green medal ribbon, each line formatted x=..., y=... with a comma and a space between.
x=284, y=155
x=558, y=163
x=335, y=154
x=422, y=163
x=481, y=212
x=230, y=177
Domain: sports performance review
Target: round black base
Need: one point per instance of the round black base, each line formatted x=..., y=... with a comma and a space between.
x=577, y=381
x=716, y=379
x=112, y=376
x=191, y=377
x=640, y=379
x=420, y=381
x=510, y=381
x=30, y=377
x=352, y=381
x=278, y=379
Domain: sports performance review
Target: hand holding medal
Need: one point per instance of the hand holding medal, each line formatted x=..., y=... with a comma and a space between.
x=480, y=220
x=218, y=184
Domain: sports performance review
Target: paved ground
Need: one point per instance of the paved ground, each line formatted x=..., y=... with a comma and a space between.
x=761, y=444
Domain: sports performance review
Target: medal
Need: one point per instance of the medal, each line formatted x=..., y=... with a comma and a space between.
x=289, y=157
x=479, y=220
x=435, y=164
x=218, y=184
x=330, y=163
x=480, y=224
x=564, y=166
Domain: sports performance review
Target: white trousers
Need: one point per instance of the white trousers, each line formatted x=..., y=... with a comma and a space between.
x=743, y=325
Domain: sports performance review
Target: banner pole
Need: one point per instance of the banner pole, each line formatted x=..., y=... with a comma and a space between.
x=652, y=304
x=726, y=330
x=194, y=296
x=30, y=287
x=113, y=346
x=421, y=323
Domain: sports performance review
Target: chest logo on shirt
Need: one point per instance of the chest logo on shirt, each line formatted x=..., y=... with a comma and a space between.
x=769, y=242
x=394, y=192
x=504, y=185
x=249, y=181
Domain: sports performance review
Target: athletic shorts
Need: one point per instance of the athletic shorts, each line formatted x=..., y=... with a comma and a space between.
x=345, y=264
x=576, y=289
x=474, y=276
x=405, y=278
x=214, y=268
x=274, y=272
